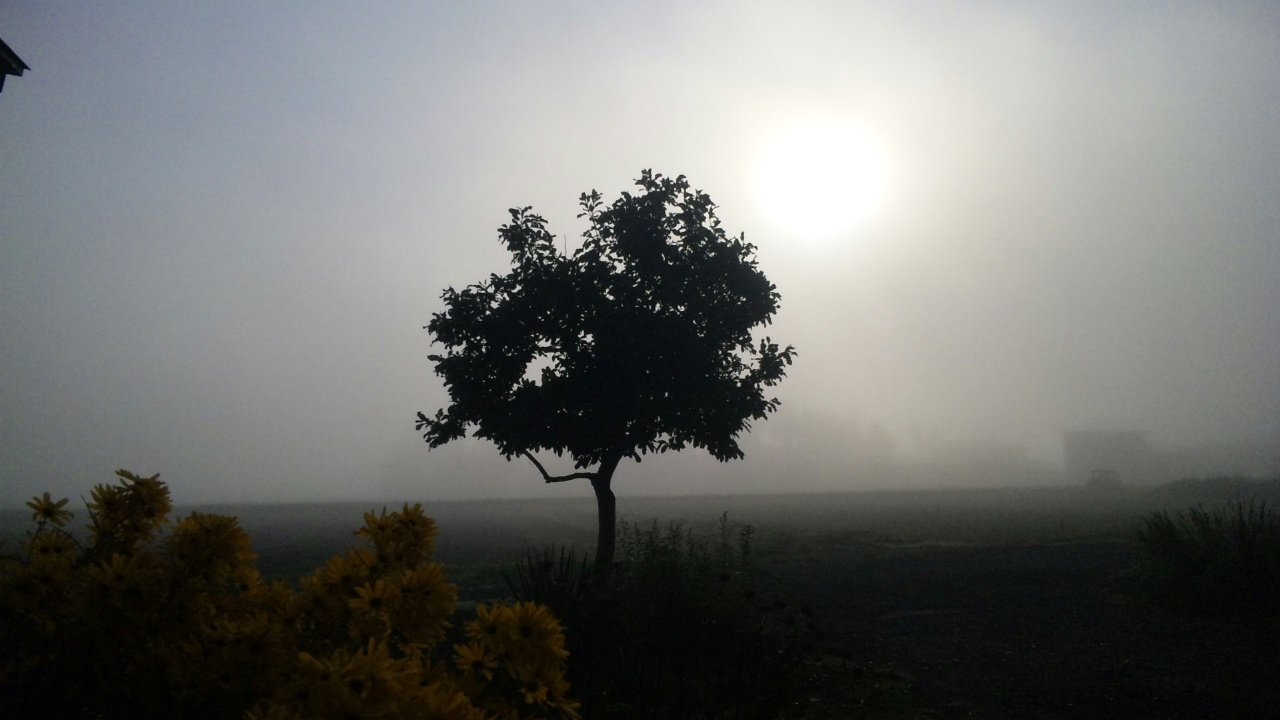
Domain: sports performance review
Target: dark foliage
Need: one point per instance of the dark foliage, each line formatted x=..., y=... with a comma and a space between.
x=639, y=341
x=557, y=577
x=1226, y=559
x=646, y=330
x=680, y=628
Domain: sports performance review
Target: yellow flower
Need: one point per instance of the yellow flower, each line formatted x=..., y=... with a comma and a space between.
x=374, y=677
x=314, y=668
x=535, y=622
x=428, y=600
x=491, y=622
x=113, y=570
x=152, y=496
x=402, y=538
x=536, y=638
x=211, y=547
x=276, y=599
x=52, y=549
x=412, y=519
x=34, y=587
x=557, y=696
x=128, y=583
x=439, y=702
x=127, y=514
x=475, y=657
x=343, y=572
x=211, y=628
x=534, y=692
x=44, y=509
x=376, y=599
x=107, y=501
x=374, y=525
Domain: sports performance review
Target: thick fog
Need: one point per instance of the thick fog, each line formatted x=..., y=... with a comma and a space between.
x=224, y=226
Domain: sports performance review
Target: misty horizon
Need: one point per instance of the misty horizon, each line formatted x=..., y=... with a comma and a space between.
x=220, y=249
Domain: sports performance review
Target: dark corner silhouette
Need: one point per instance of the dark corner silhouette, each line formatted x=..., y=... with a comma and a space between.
x=10, y=64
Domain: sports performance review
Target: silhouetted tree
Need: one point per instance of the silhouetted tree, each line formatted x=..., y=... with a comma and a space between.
x=640, y=341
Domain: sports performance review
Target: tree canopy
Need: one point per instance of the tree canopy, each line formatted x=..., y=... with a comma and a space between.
x=639, y=341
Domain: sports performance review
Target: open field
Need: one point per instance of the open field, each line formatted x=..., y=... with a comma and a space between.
x=1000, y=603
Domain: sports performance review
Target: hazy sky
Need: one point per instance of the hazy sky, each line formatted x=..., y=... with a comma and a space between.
x=224, y=225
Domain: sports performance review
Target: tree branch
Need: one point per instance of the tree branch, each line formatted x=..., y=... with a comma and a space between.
x=557, y=478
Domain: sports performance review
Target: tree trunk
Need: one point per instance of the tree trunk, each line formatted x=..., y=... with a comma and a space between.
x=606, y=506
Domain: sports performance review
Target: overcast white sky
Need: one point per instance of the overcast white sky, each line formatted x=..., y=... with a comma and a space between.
x=223, y=225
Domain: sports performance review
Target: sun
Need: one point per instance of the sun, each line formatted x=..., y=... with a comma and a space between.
x=820, y=179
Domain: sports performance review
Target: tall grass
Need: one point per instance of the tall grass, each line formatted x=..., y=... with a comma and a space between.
x=557, y=575
x=679, y=630
x=1213, y=560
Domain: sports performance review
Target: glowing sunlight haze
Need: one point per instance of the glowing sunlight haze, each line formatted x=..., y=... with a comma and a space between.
x=817, y=180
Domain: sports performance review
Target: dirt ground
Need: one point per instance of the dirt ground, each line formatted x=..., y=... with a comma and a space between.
x=1034, y=631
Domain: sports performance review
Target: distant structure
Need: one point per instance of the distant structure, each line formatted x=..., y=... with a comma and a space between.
x=1108, y=458
x=10, y=64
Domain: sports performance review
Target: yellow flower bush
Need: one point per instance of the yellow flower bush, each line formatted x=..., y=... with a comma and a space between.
x=129, y=623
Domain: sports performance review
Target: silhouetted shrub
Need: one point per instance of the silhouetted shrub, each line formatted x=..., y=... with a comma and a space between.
x=134, y=625
x=679, y=630
x=557, y=576
x=1215, y=560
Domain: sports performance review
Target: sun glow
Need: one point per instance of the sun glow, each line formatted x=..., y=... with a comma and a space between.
x=819, y=180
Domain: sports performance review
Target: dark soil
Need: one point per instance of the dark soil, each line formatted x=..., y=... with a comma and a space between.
x=1033, y=631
